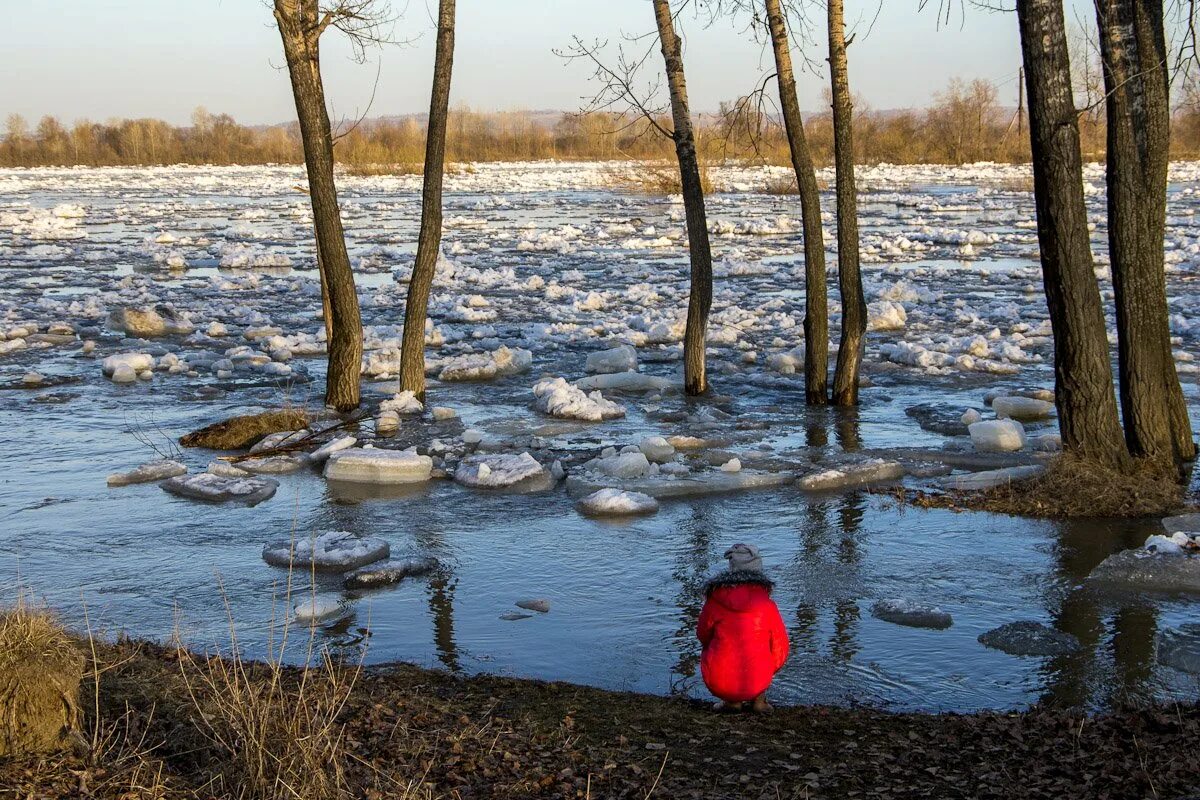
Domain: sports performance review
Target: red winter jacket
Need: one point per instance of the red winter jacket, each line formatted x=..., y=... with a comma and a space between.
x=742, y=636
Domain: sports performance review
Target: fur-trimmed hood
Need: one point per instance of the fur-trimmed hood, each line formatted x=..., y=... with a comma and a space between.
x=738, y=577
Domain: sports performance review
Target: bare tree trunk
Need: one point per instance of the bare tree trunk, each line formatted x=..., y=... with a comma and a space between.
x=412, y=351
x=1134, y=55
x=854, y=307
x=1087, y=408
x=695, y=377
x=816, y=307
x=300, y=29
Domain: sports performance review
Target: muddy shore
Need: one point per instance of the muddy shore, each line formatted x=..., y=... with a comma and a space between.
x=413, y=732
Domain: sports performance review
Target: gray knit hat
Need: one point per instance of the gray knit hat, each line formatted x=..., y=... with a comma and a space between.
x=744, y=557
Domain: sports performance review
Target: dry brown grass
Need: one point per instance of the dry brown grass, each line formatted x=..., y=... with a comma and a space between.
x=372, y=170
x=40, y=671
x=655, y=178
x=1072, y=487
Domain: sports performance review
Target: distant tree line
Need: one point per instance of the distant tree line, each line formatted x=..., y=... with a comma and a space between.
x=966, y=123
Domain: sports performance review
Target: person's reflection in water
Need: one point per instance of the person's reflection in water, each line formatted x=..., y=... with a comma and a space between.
x=1077, y=609
x=691, y=572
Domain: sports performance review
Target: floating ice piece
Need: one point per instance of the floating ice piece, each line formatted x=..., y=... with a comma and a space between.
x=273, y=465
x=625, y=382
x=442, y=413
x=691, y=485
x=540, y=605
x=617, y=503
x=732, y=465
x=369, y=465
x=886, y=315
x=915, y=615
x=657, y=449
x=226, y=470
x=499, y=470
x=997, y=435
x=405, y=402
x=472, y=436
x=134, y=362
x=1180, y=647
x=560, y=399
x=152, y=471
x=387, y=422
x=848, y=475
x=619, y=359
x=486, y=366
x=1030, y=638
x=322, y=608
x=218, y=489
x=326, y=450
x=622, y=465
x=970, y=417
x=150, y=323
x=1140, y=570
x=336, y=551
x=1022, y=408
x=1163, y=545
x=388, y=572
x=1183, y=522
x=991, y=478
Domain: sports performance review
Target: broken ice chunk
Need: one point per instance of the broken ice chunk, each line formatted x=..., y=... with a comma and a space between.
x=218, y=489
x=616, y=503
x=336, y=551
x=500, y=470
x=1022, y=408
x=368, y=465
x=619, y=359
x=560, y=399
x=997, y=435
x=152, y=471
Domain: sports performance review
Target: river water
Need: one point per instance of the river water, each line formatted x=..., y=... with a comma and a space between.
x=625, y=594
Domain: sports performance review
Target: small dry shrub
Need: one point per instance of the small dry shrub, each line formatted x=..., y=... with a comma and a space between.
x=655, y=178
x=781, y=184
x=40, y=672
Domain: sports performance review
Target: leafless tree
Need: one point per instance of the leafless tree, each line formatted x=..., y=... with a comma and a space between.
x=412, y=351
x=854, y=308
x=622, y=87
x=1136, y=63
x=1087, y=408
x=301, y=24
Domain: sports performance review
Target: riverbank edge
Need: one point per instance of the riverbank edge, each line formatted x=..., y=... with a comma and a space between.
x=413, y=732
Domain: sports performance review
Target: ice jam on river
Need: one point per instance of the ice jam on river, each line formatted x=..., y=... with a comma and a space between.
x=555, y=507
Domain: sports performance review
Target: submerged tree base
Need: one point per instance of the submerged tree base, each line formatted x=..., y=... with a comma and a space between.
x=417, y=733
x=1071, y=487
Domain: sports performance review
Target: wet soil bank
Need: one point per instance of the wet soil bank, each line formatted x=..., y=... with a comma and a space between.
x=412, y=732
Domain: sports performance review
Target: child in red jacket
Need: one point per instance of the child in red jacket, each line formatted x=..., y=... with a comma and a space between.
x=743, y=640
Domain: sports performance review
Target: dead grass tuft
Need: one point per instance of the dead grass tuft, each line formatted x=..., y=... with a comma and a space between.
x=276, y=734
x=40, y=672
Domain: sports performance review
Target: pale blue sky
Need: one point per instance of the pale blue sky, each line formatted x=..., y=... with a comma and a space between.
x=162, y=58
